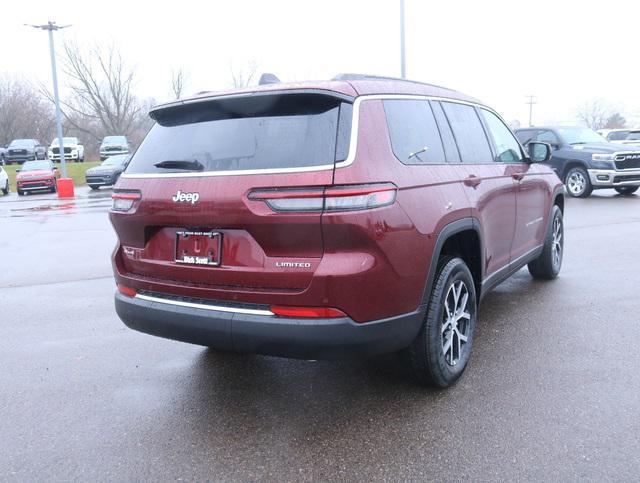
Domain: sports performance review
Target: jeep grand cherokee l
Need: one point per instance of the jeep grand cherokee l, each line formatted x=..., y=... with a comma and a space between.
x=331, y=219
x=587, y=161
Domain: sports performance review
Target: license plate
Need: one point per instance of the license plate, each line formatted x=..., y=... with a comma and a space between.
x=198, y=247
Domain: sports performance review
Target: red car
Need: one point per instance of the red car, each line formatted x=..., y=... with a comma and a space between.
x=331, y=219
x=37, y=176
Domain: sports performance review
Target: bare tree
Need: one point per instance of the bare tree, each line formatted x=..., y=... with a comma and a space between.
x=23, y=112
x=594, y=113
x=101, y=99
x=178, y=81
x=615, y=121
x=242, y=77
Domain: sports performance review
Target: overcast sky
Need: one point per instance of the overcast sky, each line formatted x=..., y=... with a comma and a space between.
x=564, y=52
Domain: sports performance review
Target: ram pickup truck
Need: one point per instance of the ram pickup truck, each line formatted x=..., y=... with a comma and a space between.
x=73, y=150
x=21, y=150
x=585, y=160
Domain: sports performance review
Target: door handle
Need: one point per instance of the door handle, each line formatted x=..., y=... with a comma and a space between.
x=472, y=180
x=517, y=176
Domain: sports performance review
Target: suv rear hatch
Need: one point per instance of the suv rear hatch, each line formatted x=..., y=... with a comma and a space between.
x=184, y=212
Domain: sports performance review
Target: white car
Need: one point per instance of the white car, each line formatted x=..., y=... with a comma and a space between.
x=73, y=150
x=615, y=135
x=4, y=181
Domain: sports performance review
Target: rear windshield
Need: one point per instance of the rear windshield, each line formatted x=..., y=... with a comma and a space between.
x=617, y=135
x=247, y=133
x=633, y=136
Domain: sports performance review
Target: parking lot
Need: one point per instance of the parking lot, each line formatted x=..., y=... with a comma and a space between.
x=552, y=391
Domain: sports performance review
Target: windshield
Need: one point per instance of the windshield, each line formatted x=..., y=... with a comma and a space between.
x=268, y=132
x=35, y=165
x=580, y=135
x=21, y=143
x=116, y=160
x=114, y=140
x=617, y=135
x=65, y=141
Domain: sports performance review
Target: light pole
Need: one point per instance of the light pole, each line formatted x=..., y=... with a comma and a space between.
x=50, y=27
x=531, y=102
x=403, y=60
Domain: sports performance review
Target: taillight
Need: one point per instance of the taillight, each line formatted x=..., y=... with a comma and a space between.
x=307, y=312
x=335, y=198
x=124, y=200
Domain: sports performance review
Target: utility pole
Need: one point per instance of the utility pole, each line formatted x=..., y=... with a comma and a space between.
x=531, y=102
x=51, y=27
x=403, y=60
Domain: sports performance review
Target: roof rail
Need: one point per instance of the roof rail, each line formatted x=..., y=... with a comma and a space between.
x=368, y=77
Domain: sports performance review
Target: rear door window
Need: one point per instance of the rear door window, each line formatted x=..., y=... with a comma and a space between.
x=507, y=146
x=448, y=141
x=546, y=136
x=268, y=132
x=469, y=134
x=414, y=134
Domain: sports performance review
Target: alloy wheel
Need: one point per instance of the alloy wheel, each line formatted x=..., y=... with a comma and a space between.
x=557, y=242
x=576, y=183
x=456, y=322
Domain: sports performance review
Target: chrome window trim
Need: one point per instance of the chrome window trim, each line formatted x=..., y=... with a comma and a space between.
x=353, y=142
x=192, y=305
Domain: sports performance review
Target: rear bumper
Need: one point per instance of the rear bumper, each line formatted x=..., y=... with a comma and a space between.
x=612, y=178
x=243, y=331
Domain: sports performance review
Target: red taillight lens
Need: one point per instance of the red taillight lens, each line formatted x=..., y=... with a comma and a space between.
x=307, y=312
x=124, y=200
x=335, y=198
x=127, y=291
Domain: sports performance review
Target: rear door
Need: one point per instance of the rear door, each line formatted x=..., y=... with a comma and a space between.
x=197, y=225
x=488, y=185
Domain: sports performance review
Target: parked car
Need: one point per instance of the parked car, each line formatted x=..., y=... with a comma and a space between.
x=586, y=161
x=3, y=152
x=73, y=150
x=331, y=219
x=21, y=150
x=614, y=135
x=632, y=139
x=37, y=176
x=113, y=145
x=4, y=181
x=108, y=172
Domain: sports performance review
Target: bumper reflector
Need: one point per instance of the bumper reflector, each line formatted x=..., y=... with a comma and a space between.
x=126, y=291
x=307, y=312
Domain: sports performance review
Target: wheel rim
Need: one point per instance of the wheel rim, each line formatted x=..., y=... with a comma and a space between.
x=456, y=322
x=557, y=242
x=576, y=182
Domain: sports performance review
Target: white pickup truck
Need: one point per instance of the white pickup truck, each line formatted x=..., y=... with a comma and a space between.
x=73, y=150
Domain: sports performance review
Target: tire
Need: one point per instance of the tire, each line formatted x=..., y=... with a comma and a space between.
x=626, y=190
x=20, y=193
x=578, y=183
x=55, y=187
x=94, y=187
x=5, y=190
x=431, y=361
x=547, y=266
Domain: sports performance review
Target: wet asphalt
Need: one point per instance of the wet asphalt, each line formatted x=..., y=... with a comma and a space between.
x=552, y=391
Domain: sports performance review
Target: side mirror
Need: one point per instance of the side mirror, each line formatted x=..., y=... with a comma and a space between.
x=539, y=152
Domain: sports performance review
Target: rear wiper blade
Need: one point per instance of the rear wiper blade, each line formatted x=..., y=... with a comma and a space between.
x=192, y=165
x=581, y=142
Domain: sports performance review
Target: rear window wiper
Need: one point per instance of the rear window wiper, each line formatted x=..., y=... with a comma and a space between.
x=187, y=164
x=580, y=142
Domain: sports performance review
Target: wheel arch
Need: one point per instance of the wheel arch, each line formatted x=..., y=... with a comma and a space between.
x=573, y=163
x=459, y=238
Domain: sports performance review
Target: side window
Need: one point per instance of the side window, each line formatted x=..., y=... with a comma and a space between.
x=547, y=137
x=471, y=139
x=507, y=147
x=526, y=136
x=450, y=148
x=415, y=138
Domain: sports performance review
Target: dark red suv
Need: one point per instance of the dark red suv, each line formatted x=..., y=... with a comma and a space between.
x=330, y=219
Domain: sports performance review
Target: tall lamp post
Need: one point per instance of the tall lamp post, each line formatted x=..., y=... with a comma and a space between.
x=51, y=27
x=403, y=60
